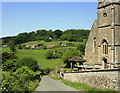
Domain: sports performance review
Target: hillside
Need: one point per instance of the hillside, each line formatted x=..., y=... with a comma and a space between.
x=39, y=55
x=51, y=43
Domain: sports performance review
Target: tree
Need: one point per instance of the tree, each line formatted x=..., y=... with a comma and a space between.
x=30, y=62
x=8, y=56
x=81, y=48
x=46, y=39
x=12, y=48
x=58, y=33
x=9, y=66
x=68, y=55
x=19, y=47
x=49, y=55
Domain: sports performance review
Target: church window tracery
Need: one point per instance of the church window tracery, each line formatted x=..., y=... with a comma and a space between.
x=105, y=47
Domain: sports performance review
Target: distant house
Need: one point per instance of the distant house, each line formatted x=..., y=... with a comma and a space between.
x=63, y=44
x=33, y=46
x=50, y=46
x=28, y=46
x=50, y=38
x=4, y=45
x=40, y=46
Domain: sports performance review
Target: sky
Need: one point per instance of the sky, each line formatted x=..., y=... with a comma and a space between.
x=19, y=17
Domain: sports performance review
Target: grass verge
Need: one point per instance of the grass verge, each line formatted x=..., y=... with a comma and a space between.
x=83, y=87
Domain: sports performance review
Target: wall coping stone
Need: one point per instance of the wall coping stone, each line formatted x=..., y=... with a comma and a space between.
x=100, y=70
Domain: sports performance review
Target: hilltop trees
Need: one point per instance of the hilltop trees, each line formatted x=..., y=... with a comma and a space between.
x=58, y=33
x=76, y=35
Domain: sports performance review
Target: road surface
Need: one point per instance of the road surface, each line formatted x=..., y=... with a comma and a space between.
x=48, y=84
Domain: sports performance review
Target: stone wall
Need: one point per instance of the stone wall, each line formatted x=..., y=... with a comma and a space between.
x=99, y=79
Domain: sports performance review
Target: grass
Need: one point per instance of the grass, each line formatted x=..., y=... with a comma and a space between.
x=39, y=55
x=84, y=87
x=50, y=43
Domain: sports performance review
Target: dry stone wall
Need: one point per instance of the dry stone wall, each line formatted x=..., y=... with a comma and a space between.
x=98, y=79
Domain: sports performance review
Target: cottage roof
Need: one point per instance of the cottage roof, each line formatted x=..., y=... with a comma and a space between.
x=77, y=59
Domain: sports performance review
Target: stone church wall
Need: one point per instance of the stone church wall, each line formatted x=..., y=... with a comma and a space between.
x=89, y=55
x=98, y=79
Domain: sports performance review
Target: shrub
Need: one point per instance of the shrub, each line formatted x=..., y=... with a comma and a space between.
x=30, y=62
x=41, y=44
x=9, y=66
x=44, y=47
x=49, y=55
x=81, y=47
x=22, y=80
x=48, y=70
x=19, y=47
x=46, y=39
x=8, y=56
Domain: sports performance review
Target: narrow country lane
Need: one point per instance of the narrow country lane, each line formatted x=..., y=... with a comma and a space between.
x=48, y=84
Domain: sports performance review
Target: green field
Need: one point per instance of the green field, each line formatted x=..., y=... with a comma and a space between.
x=39, y=55
x=50, y=43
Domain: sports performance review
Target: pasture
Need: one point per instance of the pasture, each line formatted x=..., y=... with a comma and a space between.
x=51, y=43
x=39, y=55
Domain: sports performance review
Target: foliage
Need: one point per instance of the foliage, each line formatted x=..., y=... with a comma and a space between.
x=48, y=70
x=12, y=46
x=28, y=61
x=58, y=33
x=49, y=55
x=19, y=47
x=9, y=65
x=21, y=80
x=44, y=47
x=77, y=35
x=68, y=55
x=45, y=71
x=39, y=55
x=47, y=39
x=81, y=48
x=41, y=44
x=8, y=56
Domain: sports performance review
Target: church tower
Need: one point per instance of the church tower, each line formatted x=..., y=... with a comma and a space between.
x=106, y=38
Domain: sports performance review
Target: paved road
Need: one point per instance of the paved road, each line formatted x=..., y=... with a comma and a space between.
x=48, y=84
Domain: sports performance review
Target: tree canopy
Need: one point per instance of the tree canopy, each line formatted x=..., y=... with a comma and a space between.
x=76, y=35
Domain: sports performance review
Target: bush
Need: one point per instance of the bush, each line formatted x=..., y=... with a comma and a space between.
x=22, y=80
x=49, y=55
x=9, y=66
x=8, y=56
x=41, y=44
x=19, y=47
x=44, y=47
x=46, y=39
x=30, y=62
x=48, y=70
x=81, y=47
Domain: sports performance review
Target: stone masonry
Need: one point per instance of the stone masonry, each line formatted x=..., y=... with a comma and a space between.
x=103, y=44
x=97, y=79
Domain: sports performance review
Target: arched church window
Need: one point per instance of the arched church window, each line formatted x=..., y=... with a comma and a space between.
x=105, y=47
